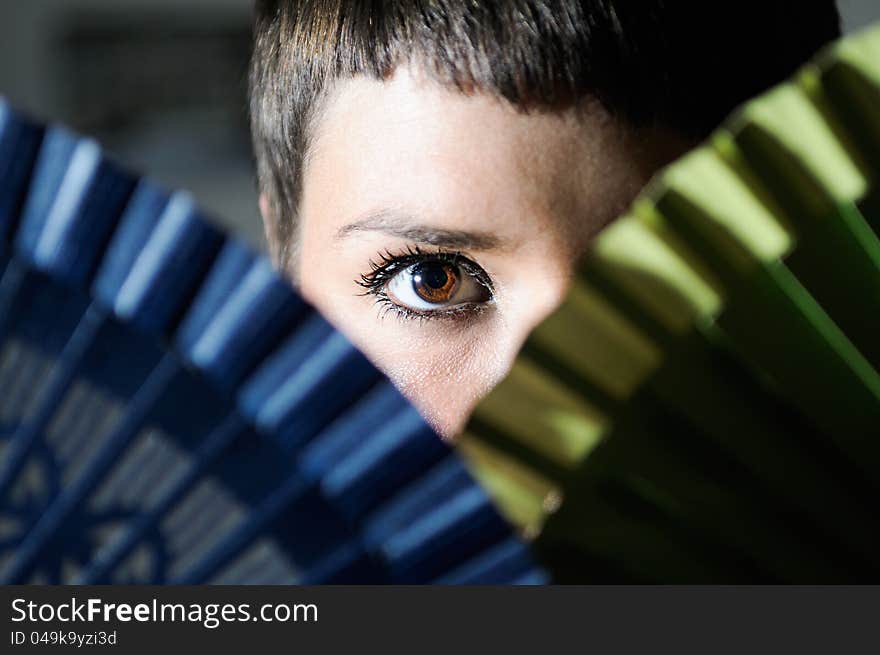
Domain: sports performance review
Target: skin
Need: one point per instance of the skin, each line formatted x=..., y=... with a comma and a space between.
x=405, y=163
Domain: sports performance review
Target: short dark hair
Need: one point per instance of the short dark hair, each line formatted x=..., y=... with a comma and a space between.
x=676, y=64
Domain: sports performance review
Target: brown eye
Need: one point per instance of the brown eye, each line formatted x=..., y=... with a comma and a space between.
x=435, y=282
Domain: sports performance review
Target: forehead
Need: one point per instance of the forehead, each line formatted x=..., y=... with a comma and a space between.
x=410, y=144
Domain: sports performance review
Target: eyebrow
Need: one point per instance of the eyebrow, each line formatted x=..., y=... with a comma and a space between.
x=406, y=226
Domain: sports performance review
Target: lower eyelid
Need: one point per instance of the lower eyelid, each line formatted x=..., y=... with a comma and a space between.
x=459, y=313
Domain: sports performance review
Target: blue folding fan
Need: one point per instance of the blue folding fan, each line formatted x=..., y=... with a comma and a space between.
x=172, y=412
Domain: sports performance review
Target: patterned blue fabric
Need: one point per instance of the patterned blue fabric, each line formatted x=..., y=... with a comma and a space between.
x=172, y=412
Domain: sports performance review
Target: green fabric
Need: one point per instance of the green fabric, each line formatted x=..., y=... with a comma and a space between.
x=705, y=406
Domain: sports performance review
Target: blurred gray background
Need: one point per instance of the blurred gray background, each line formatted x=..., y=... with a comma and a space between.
x=162, y=84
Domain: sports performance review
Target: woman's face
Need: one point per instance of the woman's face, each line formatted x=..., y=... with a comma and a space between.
x=437, y=229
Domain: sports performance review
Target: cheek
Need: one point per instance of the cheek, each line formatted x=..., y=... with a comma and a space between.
x=446, y=377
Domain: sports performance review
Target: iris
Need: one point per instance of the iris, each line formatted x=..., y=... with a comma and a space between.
x=435, y=282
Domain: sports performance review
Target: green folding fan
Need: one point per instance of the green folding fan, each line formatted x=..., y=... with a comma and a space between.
x=705, y=406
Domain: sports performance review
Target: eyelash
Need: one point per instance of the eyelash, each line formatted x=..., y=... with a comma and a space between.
x=390, y=264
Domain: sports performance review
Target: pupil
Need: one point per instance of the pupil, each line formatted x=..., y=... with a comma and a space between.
x=433, y=276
